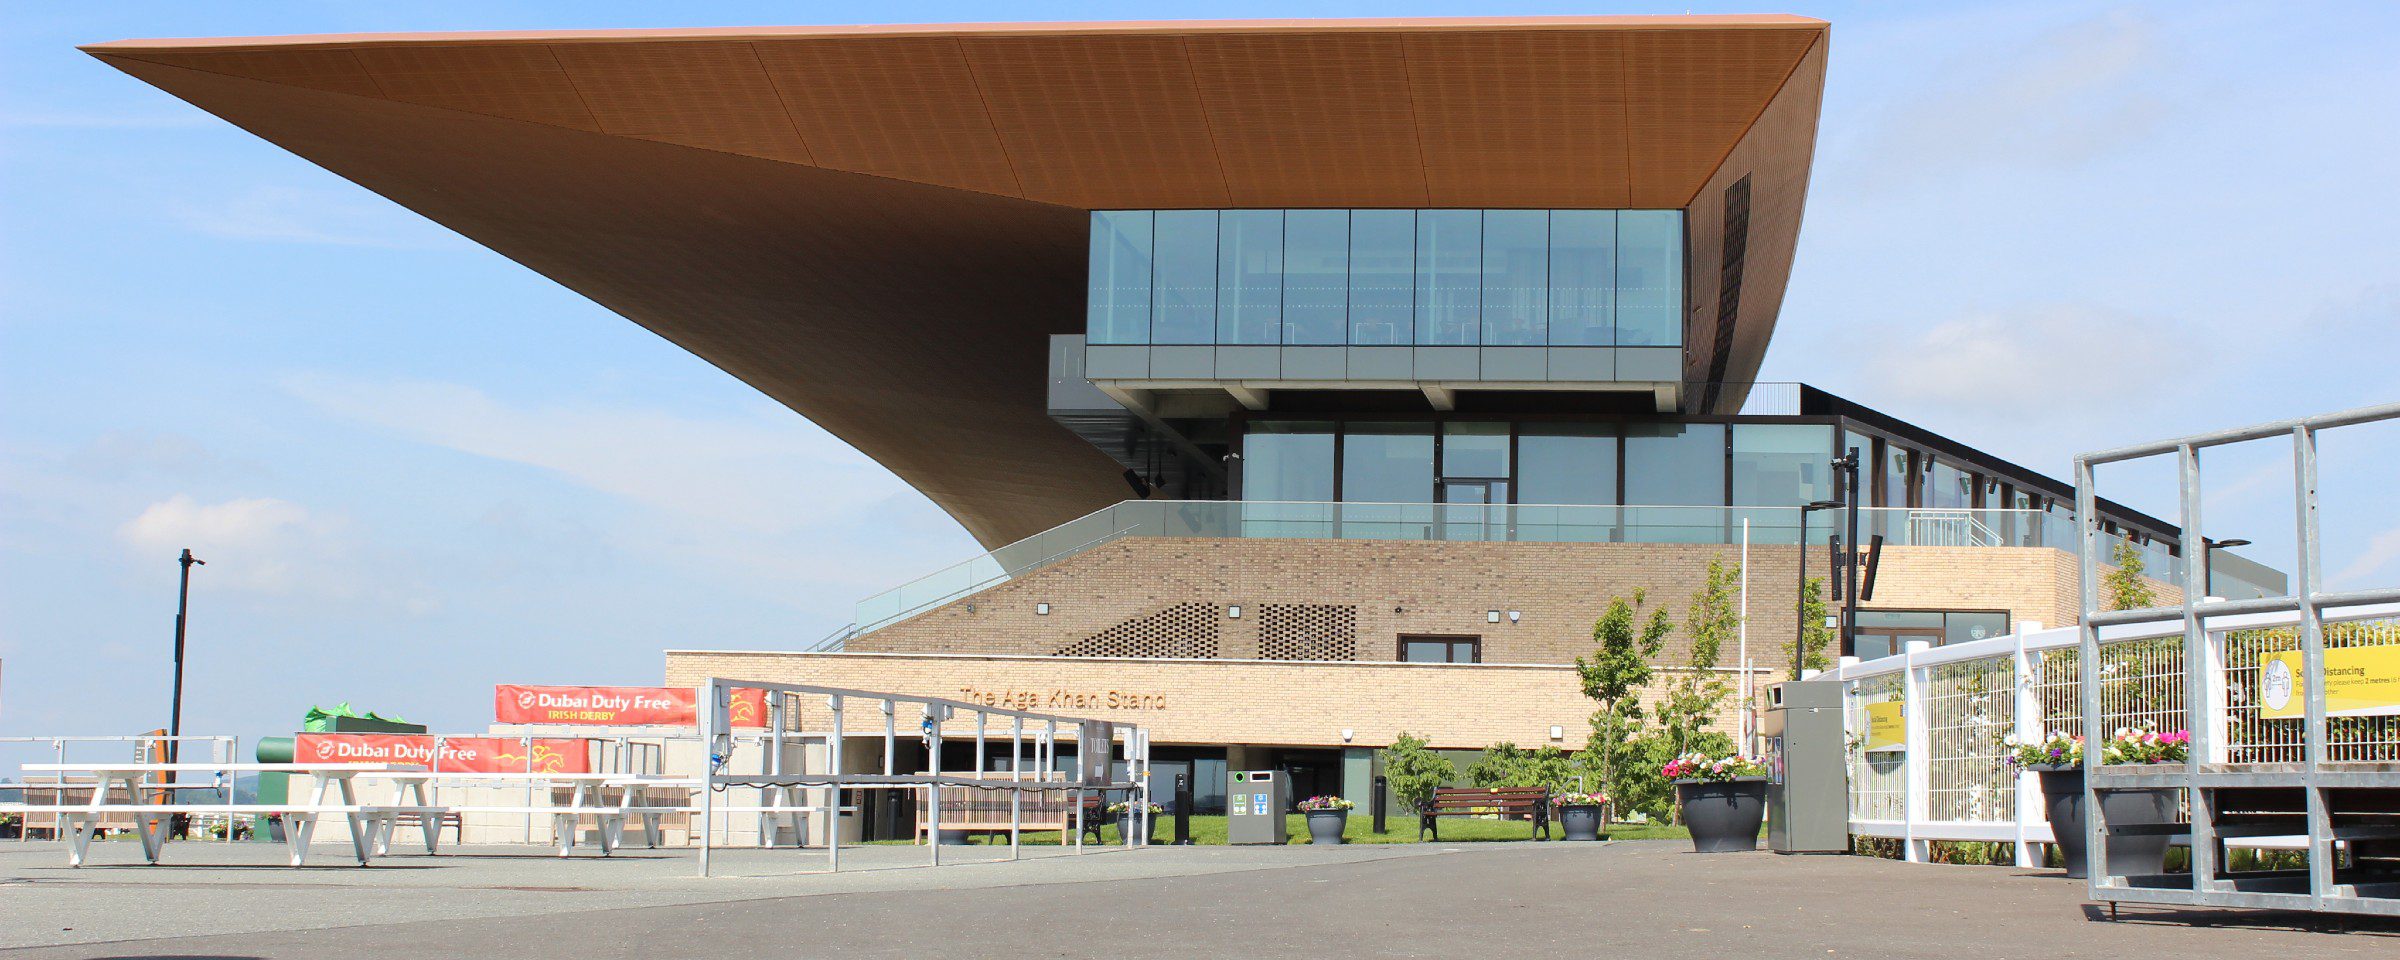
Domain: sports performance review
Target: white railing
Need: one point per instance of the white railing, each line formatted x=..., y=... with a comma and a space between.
x=1951, y=779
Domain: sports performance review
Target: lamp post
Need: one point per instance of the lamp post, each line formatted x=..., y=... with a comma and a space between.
x=183, y=602
x=1800, y=641
x=1846, y=466
x=2208, y=560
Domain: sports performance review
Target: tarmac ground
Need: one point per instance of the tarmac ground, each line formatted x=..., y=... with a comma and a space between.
x=1646, y=899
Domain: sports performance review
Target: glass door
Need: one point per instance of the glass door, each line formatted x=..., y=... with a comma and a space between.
x=1474, y=509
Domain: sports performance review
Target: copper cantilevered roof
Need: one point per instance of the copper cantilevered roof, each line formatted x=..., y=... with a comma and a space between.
x=878, y=225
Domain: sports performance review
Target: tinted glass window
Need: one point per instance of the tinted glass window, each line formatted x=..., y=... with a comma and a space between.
x=1475, y=450
x=1184, y=282
x=1675, y=464
x=1516, y=277
x=1583, y=277
x=1250, y=277
x=1567, y=463
x=1288, y=460
x=1947, y=487
x=1117, y=302
x=1649, y=278
x=1387, y=463
x=1777, y=465
x=1449, y=276
x=1383, y=276
x=1968, y=627
x=1316, y=282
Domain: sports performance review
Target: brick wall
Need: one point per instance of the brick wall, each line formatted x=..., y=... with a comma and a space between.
x=1462, y=706
x=1169, y=596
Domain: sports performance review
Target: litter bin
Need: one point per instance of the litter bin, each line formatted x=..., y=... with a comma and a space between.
x=1254, y=805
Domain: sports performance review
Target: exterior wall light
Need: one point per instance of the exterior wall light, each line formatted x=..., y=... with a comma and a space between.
x=1491, y=616
x=1041, y=609
x=1234, y=611
x=1514, y=616
x=1557, y=732
x=1346, y=734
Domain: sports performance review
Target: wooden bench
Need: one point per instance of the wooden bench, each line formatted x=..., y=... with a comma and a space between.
x=1507, y=803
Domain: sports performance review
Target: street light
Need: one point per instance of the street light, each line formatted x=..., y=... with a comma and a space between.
x=1800, y=641
x=2208, y=560
x=183, y=601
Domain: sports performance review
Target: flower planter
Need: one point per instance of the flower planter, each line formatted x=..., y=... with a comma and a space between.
x=1723, y=815
x=1582, y=821
x=2128, y=856
x=1325, y=826
x=1129, y=827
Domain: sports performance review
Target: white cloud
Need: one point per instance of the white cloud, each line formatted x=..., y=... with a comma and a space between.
x=2068, y=94
x=2380, y=552
x=310, y=215
x=258, y=543
x=767, y=497
x=2057, y=357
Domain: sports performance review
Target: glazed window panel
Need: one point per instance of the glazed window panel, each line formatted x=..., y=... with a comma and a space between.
x=1583, y=278
x=1573, y=464
x=1649, y=278
x=1781, y=464
x=1516, y=278
x=1184, y=281
x=1383, y=277
x=1250, y=277
x=1675, y=464
x=1387, y=463
x=1288, y=461
x=1117, y=299
x=1449, y=277
x=1316, y=280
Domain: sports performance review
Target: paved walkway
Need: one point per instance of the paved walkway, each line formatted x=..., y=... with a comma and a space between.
x=1645, y=899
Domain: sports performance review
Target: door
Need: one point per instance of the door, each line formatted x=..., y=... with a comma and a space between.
x=1474, y=509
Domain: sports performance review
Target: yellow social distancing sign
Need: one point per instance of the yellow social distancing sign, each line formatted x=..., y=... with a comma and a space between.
x=1887, y=729
x=2359, y=682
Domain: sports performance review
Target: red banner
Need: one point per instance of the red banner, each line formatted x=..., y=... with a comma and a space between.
x=462, y=754
x=618, y=706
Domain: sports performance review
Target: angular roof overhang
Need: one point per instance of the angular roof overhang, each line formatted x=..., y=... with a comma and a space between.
x=877, y=225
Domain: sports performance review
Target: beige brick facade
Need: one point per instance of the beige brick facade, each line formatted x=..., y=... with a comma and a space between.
x=1459, y=706
x=1142, y=630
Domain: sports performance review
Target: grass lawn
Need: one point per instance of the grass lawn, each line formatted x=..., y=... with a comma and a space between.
x=1210, y=830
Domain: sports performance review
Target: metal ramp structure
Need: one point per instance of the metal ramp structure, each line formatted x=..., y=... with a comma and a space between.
x=2255, y=769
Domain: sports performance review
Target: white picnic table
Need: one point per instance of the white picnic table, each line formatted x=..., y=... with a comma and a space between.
x=587, y=799
x=300, y=818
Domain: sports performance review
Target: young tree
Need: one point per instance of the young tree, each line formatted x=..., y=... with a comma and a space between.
x=1414, y=771
x=1614, y=675
x=1814, y=636
x=2124, y=588
x=1693, y=698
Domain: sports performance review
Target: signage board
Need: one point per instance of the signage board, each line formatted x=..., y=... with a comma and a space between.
x=2359, y=682
x=1887, y=729
x=618, y=706
x=461, y=754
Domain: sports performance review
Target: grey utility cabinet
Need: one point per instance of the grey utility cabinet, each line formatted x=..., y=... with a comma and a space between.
x=1808, y=793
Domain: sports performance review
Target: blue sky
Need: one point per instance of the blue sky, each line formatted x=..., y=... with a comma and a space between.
x=418, y=469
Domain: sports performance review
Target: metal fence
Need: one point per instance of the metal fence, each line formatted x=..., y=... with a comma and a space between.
x=1950, y=779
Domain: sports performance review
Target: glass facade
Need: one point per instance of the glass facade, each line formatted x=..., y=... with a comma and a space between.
x=1567, y=464
x=1523, y=278
x=1776, y=465
x=1288, y=460
x=1387, y=463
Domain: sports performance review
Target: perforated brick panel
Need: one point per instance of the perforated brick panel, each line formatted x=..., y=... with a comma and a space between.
x=1183, y=630
x=1307, y=631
